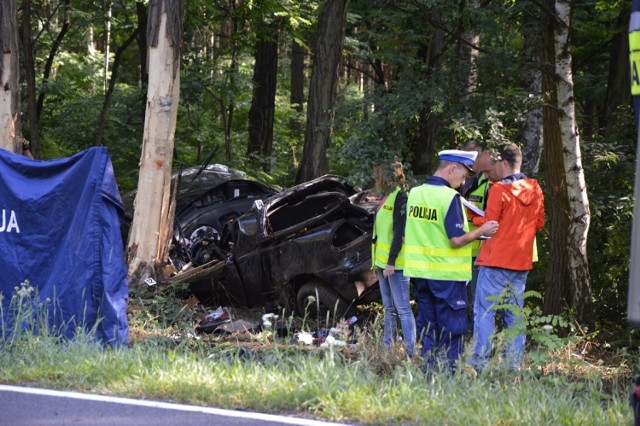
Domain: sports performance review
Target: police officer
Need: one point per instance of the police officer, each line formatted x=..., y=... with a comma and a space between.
x=438, y=255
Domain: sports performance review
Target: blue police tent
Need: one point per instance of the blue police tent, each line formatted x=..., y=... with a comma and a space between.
x=60, y=232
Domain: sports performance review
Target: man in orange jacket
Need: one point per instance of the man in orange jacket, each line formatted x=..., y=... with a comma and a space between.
x=517, y=203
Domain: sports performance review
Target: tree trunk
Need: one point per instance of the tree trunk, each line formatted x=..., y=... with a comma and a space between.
x=568, y=207
x=112, y=83
x=52, y=54
x=9, y=91
x=579, y=214
x=263, y=102
x=531, y=135
x=30, y=80
x=141, y=12
x=296, y=97
x=107, y=46
x=468, y=51
x=233, y=72
x=152, y=222
x=557, y=294
x=619, y=75
x=323, y=89
x=425, y=144
x=297, y=76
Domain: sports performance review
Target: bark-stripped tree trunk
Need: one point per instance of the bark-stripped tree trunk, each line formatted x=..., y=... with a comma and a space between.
x=152, y=219
x=263, y=102
x=9, y=100
x=565, y=175
x=323, y=90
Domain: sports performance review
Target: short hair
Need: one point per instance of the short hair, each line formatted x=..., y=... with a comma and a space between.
x=471, y=145
x=444, y=163
x=511, y=153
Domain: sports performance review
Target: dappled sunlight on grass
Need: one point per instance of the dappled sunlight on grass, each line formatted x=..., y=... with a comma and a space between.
x=362, y=382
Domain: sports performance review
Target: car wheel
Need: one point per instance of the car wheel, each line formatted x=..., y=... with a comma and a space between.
x=315, y=300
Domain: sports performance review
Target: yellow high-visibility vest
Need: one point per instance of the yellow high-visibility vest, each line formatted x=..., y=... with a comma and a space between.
x=383, y=234
x=427, y=249
x=479, y=197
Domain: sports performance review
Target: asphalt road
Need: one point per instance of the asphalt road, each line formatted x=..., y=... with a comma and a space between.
x=23, y=406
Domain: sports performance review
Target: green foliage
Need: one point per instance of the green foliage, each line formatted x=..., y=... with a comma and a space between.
x=546, y=334
x=27, y=319
x=405, y=65
x=368, y=385
x=609, y=173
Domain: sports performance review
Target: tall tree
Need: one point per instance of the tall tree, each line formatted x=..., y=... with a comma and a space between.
x=30, y=79
x=425, y=143
x=568, y=274
x=9, y=91
x=296, y=97
x=150, y=232
x=532, y=127
x=297, y=76
x=265, y=77
x=111, y=86
x=323, y=89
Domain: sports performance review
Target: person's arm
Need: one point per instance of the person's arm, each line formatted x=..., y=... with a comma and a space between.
x=540, y=218
x=494, y=206
x=454, y=222
x=399, y=221
x=486, y=230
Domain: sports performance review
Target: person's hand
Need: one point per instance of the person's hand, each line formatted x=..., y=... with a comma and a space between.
x=388, y=270
x=489, y=228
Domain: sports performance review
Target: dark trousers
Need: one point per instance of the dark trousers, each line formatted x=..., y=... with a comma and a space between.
x=442, y=318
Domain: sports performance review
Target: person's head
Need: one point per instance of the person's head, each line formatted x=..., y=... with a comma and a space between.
x=471, y=145
x=455, y=166
x=483, y=163
x=389, y=176
x=507, y=161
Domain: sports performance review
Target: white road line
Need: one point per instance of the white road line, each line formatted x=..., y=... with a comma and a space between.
x=165, y=405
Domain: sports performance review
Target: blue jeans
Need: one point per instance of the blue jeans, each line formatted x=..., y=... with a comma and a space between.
x=497, y=283
x=395, y=299
x=471, y=291
x=442, y=319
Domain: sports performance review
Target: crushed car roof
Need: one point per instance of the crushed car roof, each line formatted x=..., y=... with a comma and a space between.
x=197, y=181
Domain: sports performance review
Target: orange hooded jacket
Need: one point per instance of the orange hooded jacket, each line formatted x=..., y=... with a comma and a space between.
x=519, y=209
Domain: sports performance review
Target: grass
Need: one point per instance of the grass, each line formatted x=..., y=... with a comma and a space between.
x=361, y=385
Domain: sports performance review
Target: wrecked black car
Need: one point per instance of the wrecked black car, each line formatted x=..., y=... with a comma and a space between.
x=308, y=247
x=208, y=199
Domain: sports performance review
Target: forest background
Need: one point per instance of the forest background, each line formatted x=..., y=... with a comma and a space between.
x=412, y=78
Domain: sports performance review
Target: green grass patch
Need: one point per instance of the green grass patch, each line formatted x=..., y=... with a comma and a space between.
x=364, y=384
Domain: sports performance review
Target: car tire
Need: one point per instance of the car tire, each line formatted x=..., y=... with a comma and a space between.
x=314, y=300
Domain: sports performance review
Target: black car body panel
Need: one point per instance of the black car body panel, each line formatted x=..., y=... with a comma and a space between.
x=207, y=200
x=313, y=232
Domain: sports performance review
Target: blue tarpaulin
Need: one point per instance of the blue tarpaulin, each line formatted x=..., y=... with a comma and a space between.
x=60, y=232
